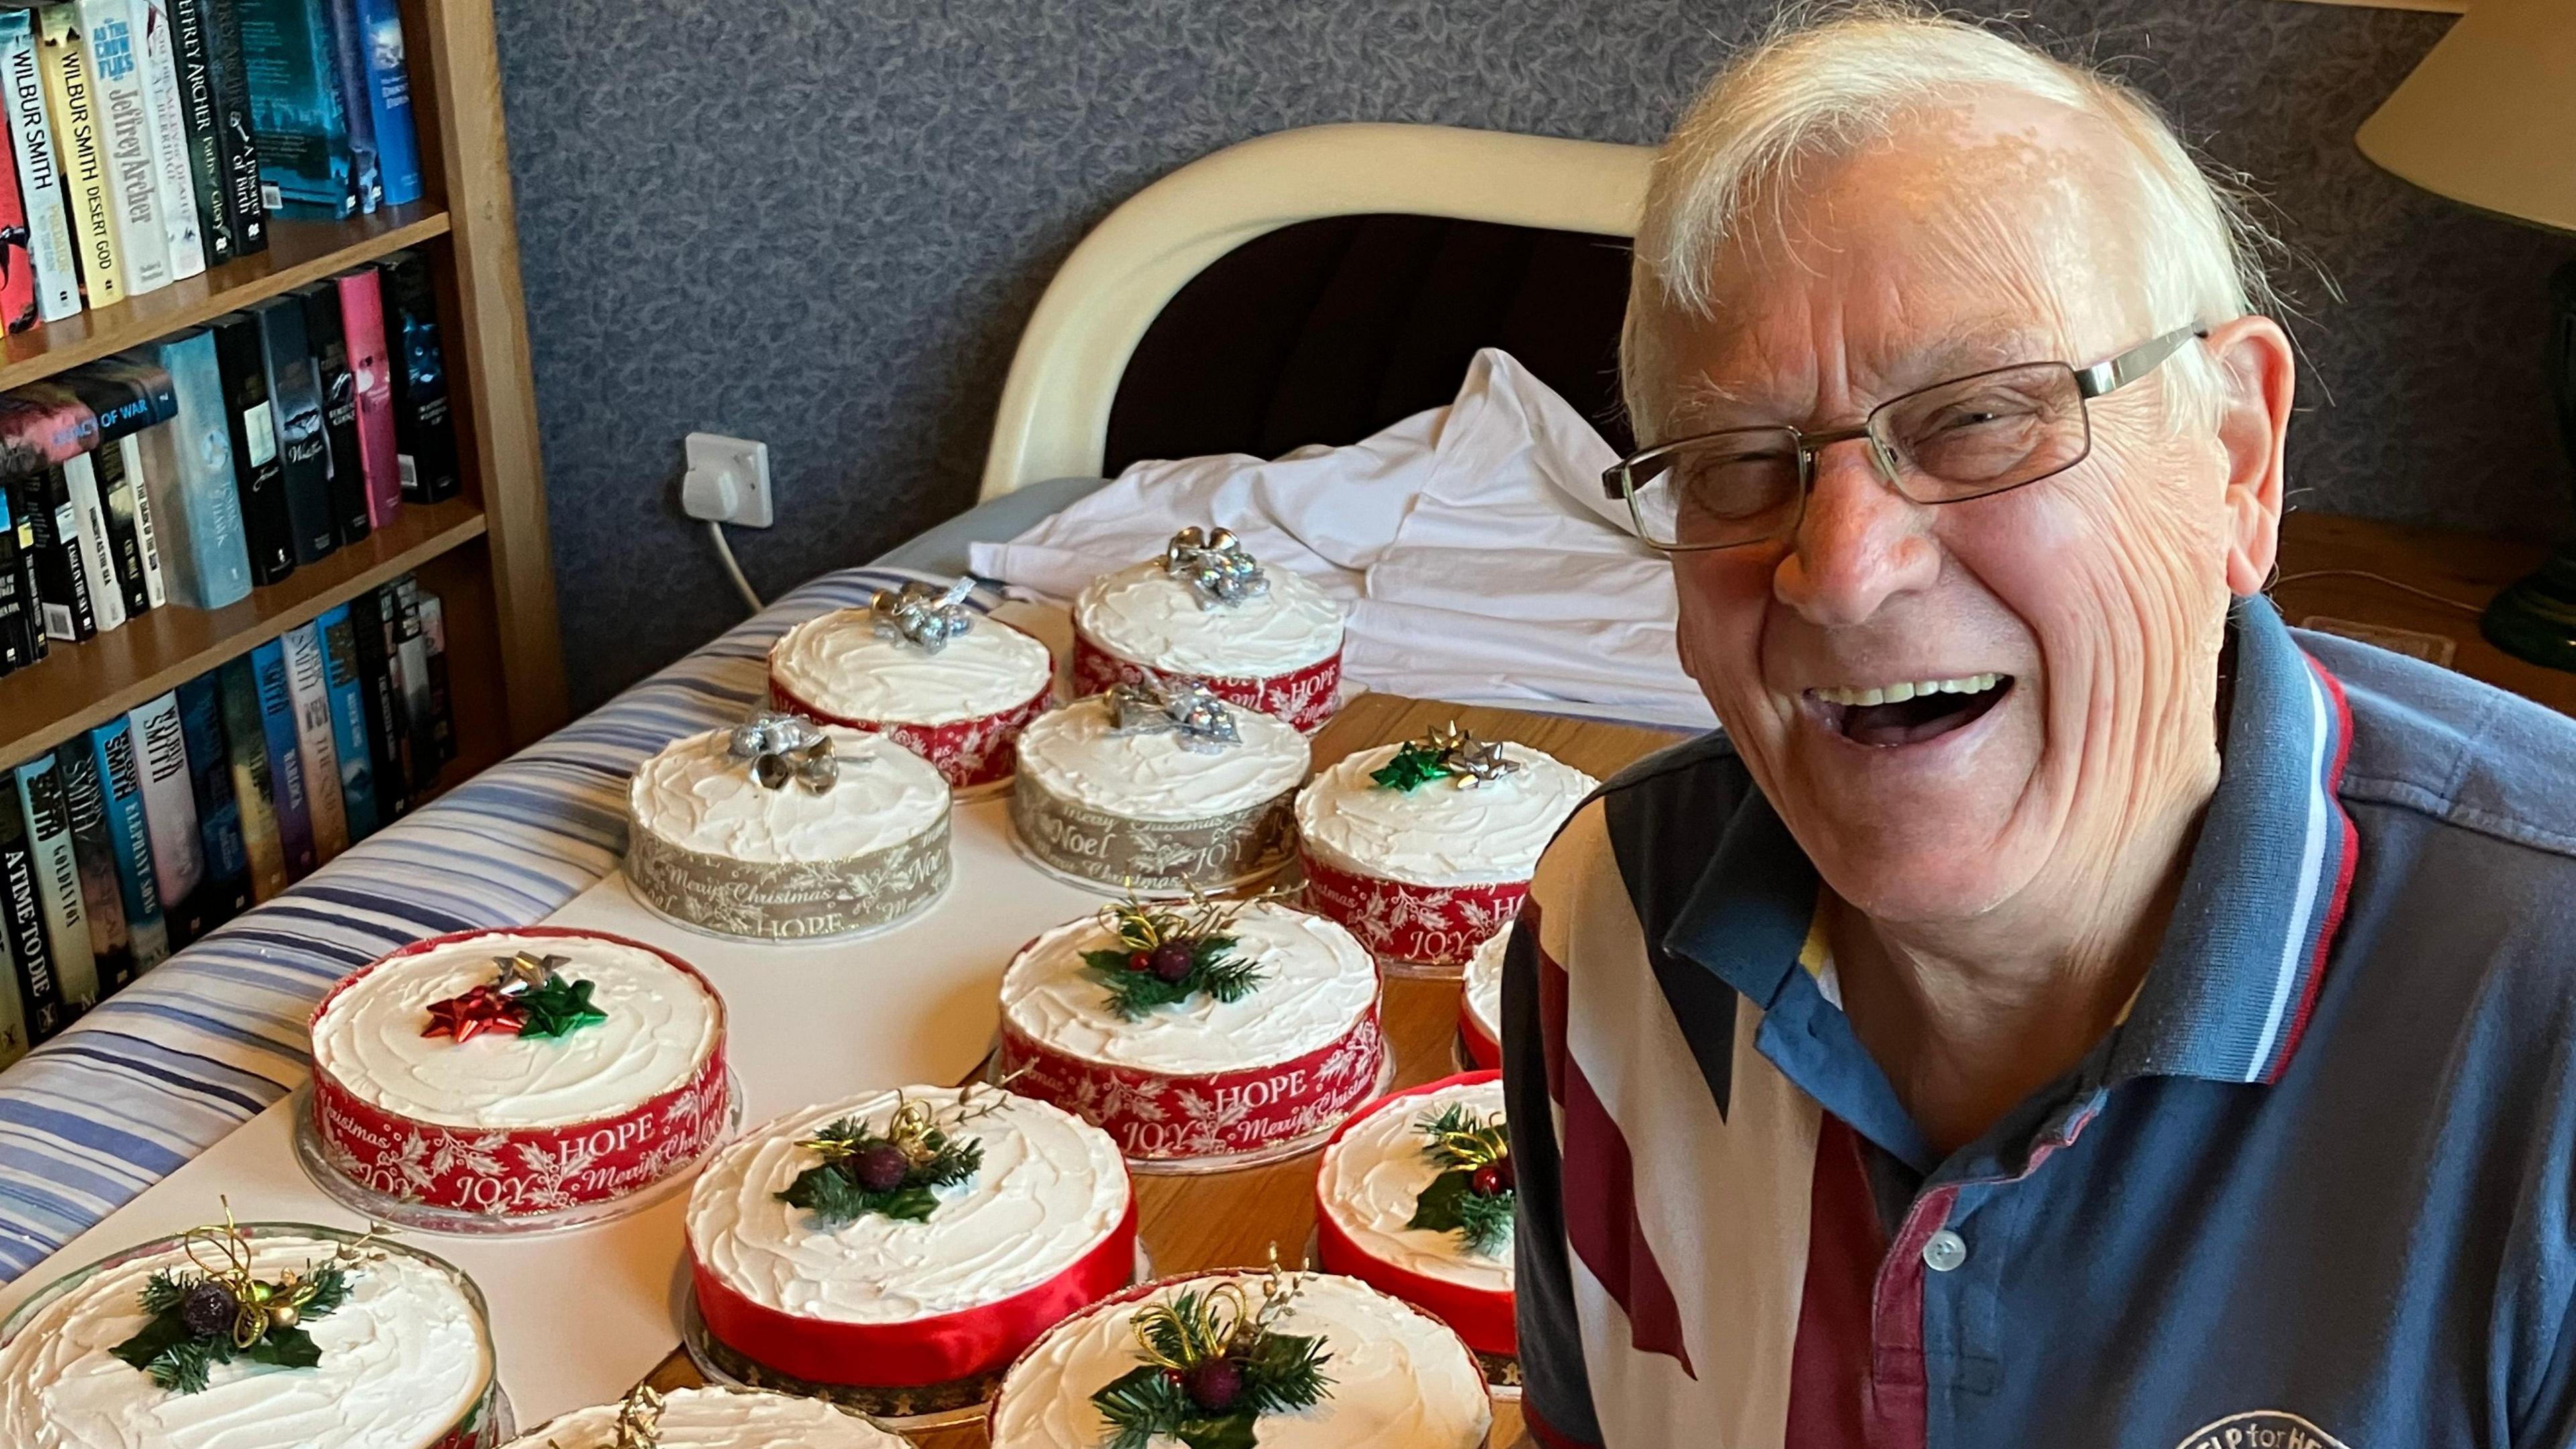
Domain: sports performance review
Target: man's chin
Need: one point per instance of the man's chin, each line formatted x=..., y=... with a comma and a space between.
x=1924, y=876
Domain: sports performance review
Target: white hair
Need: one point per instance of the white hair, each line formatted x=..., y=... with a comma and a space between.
x=1826, y=82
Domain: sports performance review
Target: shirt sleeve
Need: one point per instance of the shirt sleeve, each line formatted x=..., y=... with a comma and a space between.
x=1556, y=1392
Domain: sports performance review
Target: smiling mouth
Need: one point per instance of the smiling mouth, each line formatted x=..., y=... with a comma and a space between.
x=1909, y=713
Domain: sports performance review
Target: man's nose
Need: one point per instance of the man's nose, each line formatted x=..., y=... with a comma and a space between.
x=1859, y=544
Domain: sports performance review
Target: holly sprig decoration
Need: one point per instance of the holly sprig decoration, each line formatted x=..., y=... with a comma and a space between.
x=1475, y=1192
x=1448, y=752
x=216, y=1312
x=891, y=1170
x=528, y=996
x=1213, y=1365
x=1165, y=956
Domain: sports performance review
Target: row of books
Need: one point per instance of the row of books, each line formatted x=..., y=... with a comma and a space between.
x=221, y=458
x=128, y=842
x=153, y=138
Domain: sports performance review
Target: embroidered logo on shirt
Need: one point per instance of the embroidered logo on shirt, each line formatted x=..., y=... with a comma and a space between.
x=2260, y=1429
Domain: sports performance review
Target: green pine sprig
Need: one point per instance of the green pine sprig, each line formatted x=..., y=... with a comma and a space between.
x=1282, y=1373
x=1414, y=766
x=183, y=1362
x=1214, y=970
x=1460, y=1143
x=1460, y=1138
x=830, y=1189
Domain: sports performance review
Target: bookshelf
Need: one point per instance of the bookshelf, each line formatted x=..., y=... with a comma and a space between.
x=484, y=552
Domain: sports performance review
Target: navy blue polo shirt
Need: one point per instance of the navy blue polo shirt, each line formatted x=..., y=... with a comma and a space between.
x=2317, y=1188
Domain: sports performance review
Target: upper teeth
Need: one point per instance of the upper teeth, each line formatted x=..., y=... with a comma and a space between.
x=1899, y=693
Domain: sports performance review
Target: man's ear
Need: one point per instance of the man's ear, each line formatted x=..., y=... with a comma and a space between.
x=2259, y=373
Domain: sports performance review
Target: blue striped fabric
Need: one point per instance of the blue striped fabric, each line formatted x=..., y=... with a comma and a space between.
x=169, y=1066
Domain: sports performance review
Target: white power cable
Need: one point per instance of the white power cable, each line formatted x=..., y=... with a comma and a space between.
x=733, y=570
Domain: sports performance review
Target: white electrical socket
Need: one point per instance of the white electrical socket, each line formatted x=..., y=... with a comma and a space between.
x=727, y=481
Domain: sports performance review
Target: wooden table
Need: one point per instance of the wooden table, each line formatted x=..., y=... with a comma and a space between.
x=1233, y=1219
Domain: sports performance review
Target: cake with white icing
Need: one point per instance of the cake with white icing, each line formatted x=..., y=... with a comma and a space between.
x=1160, y=789
x=1480, y=1004
x=782, y=829
x=402, y=1359
x=1425, y=848
x=517, y=1074
x=713, y=1418
x=1397, y=1378
x=1207, y=611
x=893, y=1252
x=1207, y=1034
x=921, y=668
x=1415, y=1196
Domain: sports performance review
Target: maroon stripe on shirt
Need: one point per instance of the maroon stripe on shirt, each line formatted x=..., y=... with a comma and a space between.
x=1602, y=1227
x=1552, y=989
x=1829, y=1364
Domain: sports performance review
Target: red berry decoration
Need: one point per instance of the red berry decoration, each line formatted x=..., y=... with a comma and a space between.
x=1493, y=1179
x=1172, y=961
x=1214, y=1384
x=1140, y=960
x=882, y=1167
x=208, y=1308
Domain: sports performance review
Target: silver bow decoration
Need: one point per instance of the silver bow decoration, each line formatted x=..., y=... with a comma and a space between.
x=783, y=749
x=1185, y=709
x=922, y=616
x=526, y=971
x=1474, y=761
x=1214, y=564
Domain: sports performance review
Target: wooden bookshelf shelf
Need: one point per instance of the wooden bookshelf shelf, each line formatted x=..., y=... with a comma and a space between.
x=80, y=685
x=298, y=252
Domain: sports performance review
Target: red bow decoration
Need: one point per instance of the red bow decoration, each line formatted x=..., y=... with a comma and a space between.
x=470, y=1015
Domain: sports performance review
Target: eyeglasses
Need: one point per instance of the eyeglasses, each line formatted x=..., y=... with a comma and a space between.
x=1966, y=438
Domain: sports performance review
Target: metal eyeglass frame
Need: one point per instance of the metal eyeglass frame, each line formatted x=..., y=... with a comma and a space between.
x=2109, y=375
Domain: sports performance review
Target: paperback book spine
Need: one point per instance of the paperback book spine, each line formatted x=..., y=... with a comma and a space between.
x=167, y=104
x=259, y=478
x=94, y=852
x=40, y=794
x=72, y=102
x=98, y=556
x=254, y=793
x=22, y=919
x=201, y=109
x=13, y=1019
x=40, y=178
x=22, y=524
x=349, y=722
x=337, y=383
x=225, y=892
x=170, y=814
x=125, y=394
x=442, y=708
x=362, y=326
x=137, y=885
x=308, y=683
x=349, y=78
x=17, y=261
x=188, y=463
x=383, y=700
x=411, y=681
x=424, y=431
x=124, y=536
x=389, y=99
x=295, y=407
x=244, y=205
x=291, y=790
x=305, y=162
x=147, y=525
x=20, y=624
x=125, y=127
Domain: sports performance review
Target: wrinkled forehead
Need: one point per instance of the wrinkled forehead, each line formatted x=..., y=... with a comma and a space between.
x=1979, y=236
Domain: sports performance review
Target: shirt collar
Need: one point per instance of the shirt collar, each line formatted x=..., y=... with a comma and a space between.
x=2229, y=993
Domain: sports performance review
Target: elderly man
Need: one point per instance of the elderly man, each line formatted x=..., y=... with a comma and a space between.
x=2065, y=1006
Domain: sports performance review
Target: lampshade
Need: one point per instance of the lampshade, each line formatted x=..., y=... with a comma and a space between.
x=2489, y=118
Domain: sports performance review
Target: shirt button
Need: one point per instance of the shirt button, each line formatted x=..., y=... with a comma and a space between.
x=1944, y=1251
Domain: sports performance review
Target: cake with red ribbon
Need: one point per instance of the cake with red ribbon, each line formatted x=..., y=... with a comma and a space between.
x=919, y=667
x=783, y=829
x=1425, y=848
x=518, y=1074
x=252, y=1336
x=1201, y=1034
x=894, y=1252
x=710, y=1418
x=1207, y=611
x=1282, y=1360
x=1415, y=1196
x=1158, y=788
x=1480, y=1003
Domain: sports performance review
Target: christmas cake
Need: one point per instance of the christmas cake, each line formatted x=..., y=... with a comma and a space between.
x=1207, y=611
x=516, y=1075
x=1425, y=848
x=1203, y=1034
x=921, y=668
x=710, y=1419
x=1480, y=1005
x=1282, y=1360
x=261, y=1336
x=1414, y=1197
x=892, y=1253
x=1158, y=788
x=783, y=829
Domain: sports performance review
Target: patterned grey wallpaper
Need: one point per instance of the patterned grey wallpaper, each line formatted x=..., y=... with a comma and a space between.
x=823, y=222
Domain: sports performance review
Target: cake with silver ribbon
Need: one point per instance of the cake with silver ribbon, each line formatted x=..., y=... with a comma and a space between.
x=920, y=666
x=1207, y=610
x=783, y=829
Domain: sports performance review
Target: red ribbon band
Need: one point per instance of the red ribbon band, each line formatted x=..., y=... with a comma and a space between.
x=1482, y=1049
x=1399, y=921
x=966, y=752
x=1481, y=1316
x=1303, y=697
